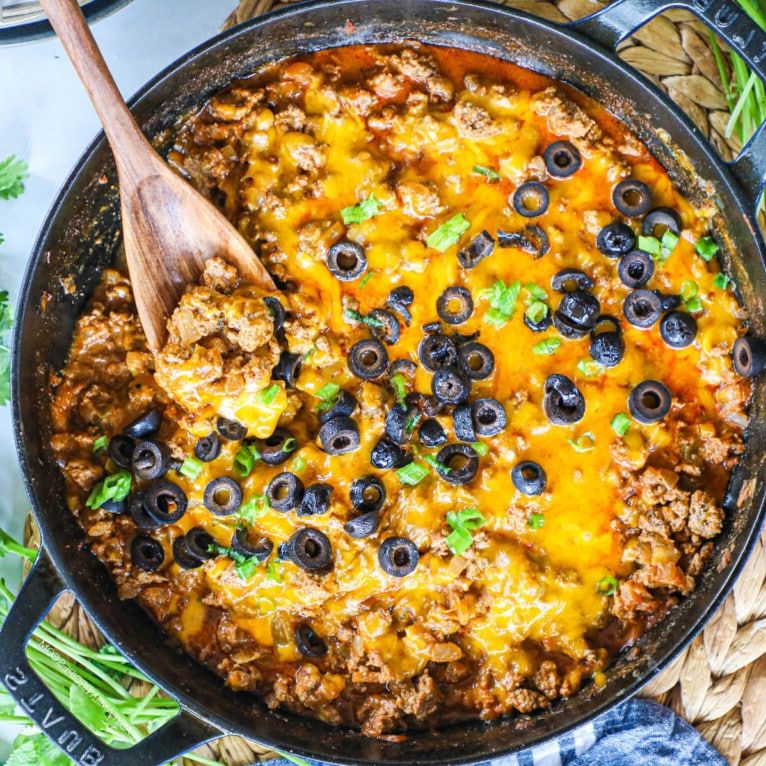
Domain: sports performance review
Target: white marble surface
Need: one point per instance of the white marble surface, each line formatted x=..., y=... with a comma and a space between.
x=46, y=118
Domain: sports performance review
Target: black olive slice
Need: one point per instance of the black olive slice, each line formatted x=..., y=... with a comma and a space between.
x=457, y=463
x=615, y=239
x=146, y=425
x=309, y=644
x=231, y=430
x=476, y=361
x=431, y=433
x=566, y=329
x=316, y=500
x=346, y=260
x=386, y=454
x=368, y=359
x=310, y=549
x=455, y=305
x=165, y=502
x=405, y=367
x=398, y=556
x=139, y=514
x=562, y=159
x=120, y=450
x=531, y=239
x=606, y=323
x=397, y=420
x=182, y=556
x=462, y=423
x=150, y=460
x=288, y=368
x=632, y=198
x=364, y=525
x=450, y=386
x=563, y=404
x=198, y=543
x=437, y=351
x=261, y=550
x=432, y=407
x=649, y=401
x=531, y=199
x=222, y=496
x=607, y=348
x=275, y=449
x=481, y=246
x=678, y=329
x=749, y=356
x=489, y=417
x=665, y=218
x=432, y=327
x=402, y=295
x=635, y=268
x=568, y=280
x=114, y=506
x=642, y=308
x=367, y=494
x=668, y=302
x=208, y=447
x=389, y=331
x=344, y=404
x=541, y=324
x=579, y=308
x=339, y=435
x=285, y=491
x=529, y=478
x=146, y=553
x=277, y=311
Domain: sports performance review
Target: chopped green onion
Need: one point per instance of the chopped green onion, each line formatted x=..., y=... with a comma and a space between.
x=488, y=173
x=721, y=280
x=412, y=421
x=246, y=566
x=399, y=384
x=328, y=391
x=650, y=245
x=448, y=233
x=502, y=299
x=620, y=423
x=669, y=241
x=366, y=278
x=590, y=368
x=412, y=474
x=694, y=304
x=363, y=210
x=114, y=487
x=607, y=586
x=256, y=506
x=268, y=395
x=536, y=293
x=289, y=445
x=688, y=290
x=354, y=316
x=583, y=443
x=536, y=311
x=480, y=448
x=191, y=468
x=245, y=459
x=431, y=460
x=546, y=347
x=706, y=248
x=536, y=521
x=274, y=571
x=298, y=464
x=461, y=524
x=459, y=540
x=100, y=444
x=308, y=354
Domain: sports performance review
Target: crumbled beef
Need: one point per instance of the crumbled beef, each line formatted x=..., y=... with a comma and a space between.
x=705, y=517
x=473, y=121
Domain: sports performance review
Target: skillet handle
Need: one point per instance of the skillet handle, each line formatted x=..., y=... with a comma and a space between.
x=617, y=21
x=38, y=591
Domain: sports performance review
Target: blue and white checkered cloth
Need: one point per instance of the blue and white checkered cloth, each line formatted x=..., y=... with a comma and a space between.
x=637, y=733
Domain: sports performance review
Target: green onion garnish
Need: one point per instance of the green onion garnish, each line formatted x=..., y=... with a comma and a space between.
x=649, y=245
x=245, y=459
x=583, y=443
x=116, y=486
x=688, y=290
x=327, y=395
x=706, y=248
x=488, y=173
x=289, y=445
x=546, y=347
x=536, y=293
x=536, y=521
x=721, y=280
x=399, y=384
x=590, y=368
x=620, y=423
x=412, y=474
x=366, y=278
x=461, y=524
x=268, y=395
x=298, y=464
x=502, y=299
x=191, y=468
x=100, y=444
x=274, y=571
x=448, y=233
x=607, y=586
x=352, y=315
x=480, y=448
x=536, y=311
x=256, y=506
x=363, y=210
x=694, y=304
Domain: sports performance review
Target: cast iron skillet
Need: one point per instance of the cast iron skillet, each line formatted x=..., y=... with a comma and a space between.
x=80, y=238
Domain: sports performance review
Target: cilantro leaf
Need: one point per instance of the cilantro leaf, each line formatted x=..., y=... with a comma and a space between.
x=13, y=173
x=363, y=210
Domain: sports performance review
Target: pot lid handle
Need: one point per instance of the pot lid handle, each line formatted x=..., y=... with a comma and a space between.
x=620, y=19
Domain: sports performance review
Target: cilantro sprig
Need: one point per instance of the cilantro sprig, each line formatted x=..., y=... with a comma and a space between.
x=13, y=173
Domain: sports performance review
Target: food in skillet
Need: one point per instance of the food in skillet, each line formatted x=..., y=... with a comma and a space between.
x=476, y=444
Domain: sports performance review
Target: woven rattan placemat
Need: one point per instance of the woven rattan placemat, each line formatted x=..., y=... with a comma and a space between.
x=719, y=683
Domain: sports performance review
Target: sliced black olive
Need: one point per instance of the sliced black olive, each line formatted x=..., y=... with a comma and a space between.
x=165, y=502
x=367, y=494
x=432, y=407
x=476, y=361
x=607, y=348
x=310, y=549
x=386, y=454
x=309, y=644
x=530, y=199
x=316, y=500
x=403, y=367
x=277, y=311
x=222, y=496
x=462, y=423
x=182, y=556
x=146, y=553
x=198, y=543
x=579, y=308
x=482, y=246
x=642, y=308
x=398, y=556
x=615, y=239
x=344, y=404
x=120, y=450
x=540, y=325
x=346, y=260
x=749, y=356
x=460, y=339
x=606, y=323
x=148, y=424
x=231, y=430
x=489, y=416
x=458, y=463
x=432, y=327
x=450, y=386
x=397, y=420
x=208, y=447
x=261, y=550
x=632, y=198
x=339, y=435
x=531, y=239
x=566, y=329
x=414, y=399
x=288, y=368
x=664, y=217
x=568, y=280
x=529, y=478
x=275, y=449
x=283, y=552
x=389, y=331
x=649, y=401
x=563, y=404
x=668, y=302
x=678, y=329
x=368, y=359
x=402, y=295
x=437, y=351
x=364, y=525
x=431, y=433
x=562, y=159
x=635, y=268
x=284, y=491
x=138, y=512
x=114, y=506
x=454, y=305
x=150, y=460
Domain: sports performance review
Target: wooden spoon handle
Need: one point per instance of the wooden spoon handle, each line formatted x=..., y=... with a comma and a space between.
x=128, y=143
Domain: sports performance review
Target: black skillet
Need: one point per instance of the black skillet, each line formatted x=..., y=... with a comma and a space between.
x=80, y=238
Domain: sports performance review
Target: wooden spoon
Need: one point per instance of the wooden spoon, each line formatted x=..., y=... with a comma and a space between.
x=169, y=229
